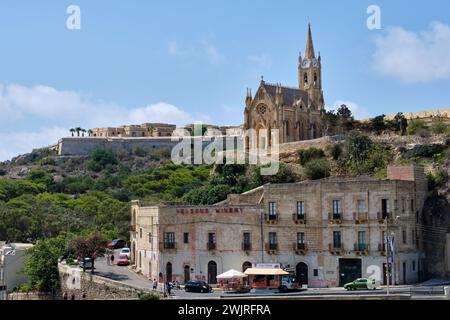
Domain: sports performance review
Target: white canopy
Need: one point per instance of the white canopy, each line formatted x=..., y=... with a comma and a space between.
x=231, y=274
x=266, y=271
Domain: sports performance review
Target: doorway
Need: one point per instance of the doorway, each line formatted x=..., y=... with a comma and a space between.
x=187, y=274
x=301, y=272
x=212, y=272
x=404, y=272
x=169, y=272
x=349, y=270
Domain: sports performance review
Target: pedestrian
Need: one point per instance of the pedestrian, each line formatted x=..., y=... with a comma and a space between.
x=155, y=284
x=169, y=287
x=108, y=257
x=65, y=296
x=112, y=259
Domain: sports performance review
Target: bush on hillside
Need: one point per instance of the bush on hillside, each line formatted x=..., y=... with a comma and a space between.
x=318, y=169
x=307, y=155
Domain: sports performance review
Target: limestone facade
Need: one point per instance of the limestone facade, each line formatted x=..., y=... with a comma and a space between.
x=143, y=130
x=328, y=231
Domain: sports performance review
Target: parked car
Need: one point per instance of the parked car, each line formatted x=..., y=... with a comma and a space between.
x=123, y=260
x=362, y=283
x=117, y=244
x=197, y=286
x=85, y=262
x=126, y=251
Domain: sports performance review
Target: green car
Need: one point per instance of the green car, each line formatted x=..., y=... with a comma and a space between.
x=362, y=283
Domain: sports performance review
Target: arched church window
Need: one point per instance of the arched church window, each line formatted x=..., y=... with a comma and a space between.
x=305, y=78
x=315, y=79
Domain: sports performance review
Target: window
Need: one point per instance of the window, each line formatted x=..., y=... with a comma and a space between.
x=212, y=241
x=336, y=206
x=413, y=236
x=150, y=237
x=404, y=236
x=385, y=208
x=361, y=245
x=301, y=210
x=316, y=272
x=272, y=210
x=305, y=78
x=186, y=237
x=336, y=239
x=414, y=265
x=315, y=79
x=361, y=206
x=300, y=237
x=140, y=233
x=273, y=243
x=247, y=243
x=169, y=240
x=403, y=204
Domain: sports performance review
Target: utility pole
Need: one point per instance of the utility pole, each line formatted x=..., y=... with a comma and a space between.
x=387, y=253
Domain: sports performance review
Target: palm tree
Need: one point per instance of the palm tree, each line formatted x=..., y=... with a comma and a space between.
x=83, y=131
x=90, y=132
x=72, y=130
x=78, y=129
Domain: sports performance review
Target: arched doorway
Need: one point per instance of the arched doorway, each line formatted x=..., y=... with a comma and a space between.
x=187, y=273
x=302, y=273
x=169, y=272
x=212, y=272
x=246, y=265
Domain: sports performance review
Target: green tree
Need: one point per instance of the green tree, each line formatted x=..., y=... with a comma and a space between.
x=309, y=154
x=358, y=147
x=94, y=246
x=377, y=124
x=317, y=169
x=415, y=126
x=41, y=264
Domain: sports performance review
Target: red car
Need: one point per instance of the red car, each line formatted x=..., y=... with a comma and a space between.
x=123, y=260
x=117, y=244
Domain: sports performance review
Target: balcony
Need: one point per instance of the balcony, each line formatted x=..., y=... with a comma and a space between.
x=336, y=249
x=335, y=218
x=381, y=216
x=271, y=218
x=211, y=246
x=246, y=246
x=361, y=249
x=299, y=248
x=360, y=217
x=299, y=218
x=167, y=245
x=132, y=228
x=272, y=248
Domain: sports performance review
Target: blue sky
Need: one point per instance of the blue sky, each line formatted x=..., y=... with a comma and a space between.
x=184, y=61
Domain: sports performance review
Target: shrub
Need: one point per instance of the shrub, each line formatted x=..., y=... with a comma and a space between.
x=101, y=159
x=427, y=150
x=148, y=296
x=307, y=155
x=315, y=170
x=415, y=125
x=439, y=127
x=140, y=152
x=336, y=151
x=437, y=180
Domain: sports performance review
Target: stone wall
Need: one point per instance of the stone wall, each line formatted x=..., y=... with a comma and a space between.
x=84, y=285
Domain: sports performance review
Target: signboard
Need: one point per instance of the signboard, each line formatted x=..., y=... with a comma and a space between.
x=208, y=210
x=266, y=265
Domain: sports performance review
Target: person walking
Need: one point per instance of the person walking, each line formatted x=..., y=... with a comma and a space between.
x=155, y=284
x=108, y=257
x=112, y=259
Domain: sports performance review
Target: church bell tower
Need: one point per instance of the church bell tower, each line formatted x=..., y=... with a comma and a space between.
x=310, y=73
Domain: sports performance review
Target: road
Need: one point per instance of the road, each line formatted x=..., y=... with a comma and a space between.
x=127, y=276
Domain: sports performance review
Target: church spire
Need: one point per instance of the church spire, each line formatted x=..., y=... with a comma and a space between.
x=309, y=52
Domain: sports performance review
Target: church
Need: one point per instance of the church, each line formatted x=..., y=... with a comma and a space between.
x=297, y=112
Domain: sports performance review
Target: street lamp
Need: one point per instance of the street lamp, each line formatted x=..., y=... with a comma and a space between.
x=388, y=273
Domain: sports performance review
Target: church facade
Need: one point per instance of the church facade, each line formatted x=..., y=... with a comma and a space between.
x=296, y=112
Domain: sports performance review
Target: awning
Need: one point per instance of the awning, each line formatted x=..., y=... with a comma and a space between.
x=265, y=271
x=231, y=274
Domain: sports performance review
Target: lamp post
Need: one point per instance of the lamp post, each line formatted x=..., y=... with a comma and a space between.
x=388, y=271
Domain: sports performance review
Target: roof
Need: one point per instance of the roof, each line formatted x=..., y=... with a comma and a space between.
x=231, y=274
x=290, y=95
x=266, y=271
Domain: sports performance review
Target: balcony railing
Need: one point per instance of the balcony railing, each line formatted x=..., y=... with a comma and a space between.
x=246, y=246
x=299, y=248
x=334, y=217
x=382, y=248
x=271, y=247
x=299, y=218
x=336, y=248
x=383, y=215
x=271, y=218
x=361, y=247
x=211, y=245
x=168, y=245
x=360, y=217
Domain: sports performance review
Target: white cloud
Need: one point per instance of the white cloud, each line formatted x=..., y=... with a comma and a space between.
x=414, y=57
x=31, y=107
x=357, y=111
x=212, y=53
x=262, y=60
x=15, y=143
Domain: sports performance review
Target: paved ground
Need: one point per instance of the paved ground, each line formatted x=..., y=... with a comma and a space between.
x=127, y=276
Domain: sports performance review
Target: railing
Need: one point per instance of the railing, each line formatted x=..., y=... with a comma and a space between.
x=383, y=215
x=382, y=248
x=338, y=248
x=360, y=217
x=299, y=218
x=246, y=246
x=335, y=217
x=211, y=245
x=168, y=245
x=361, y=247
x=271, y=218
x=299, y=246
x=271, y=246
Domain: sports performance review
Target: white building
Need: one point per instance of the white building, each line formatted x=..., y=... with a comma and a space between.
x=11, y=263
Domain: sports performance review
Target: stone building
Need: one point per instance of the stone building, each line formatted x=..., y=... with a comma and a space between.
x=330, y=231
x=295, y=112
x=143, y=130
